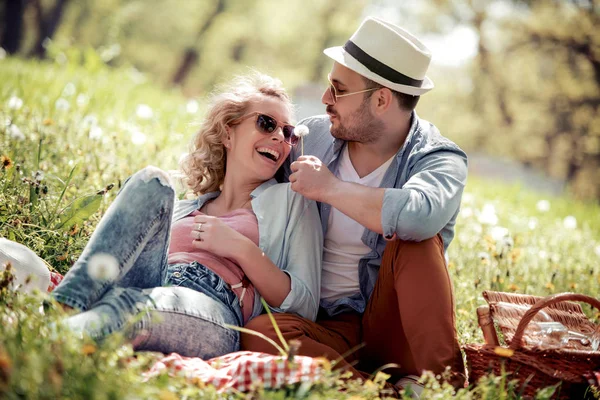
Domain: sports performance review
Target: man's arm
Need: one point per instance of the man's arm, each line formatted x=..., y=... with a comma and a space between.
x=417, y=211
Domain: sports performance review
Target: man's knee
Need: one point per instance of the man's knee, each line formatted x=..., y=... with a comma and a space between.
x=426, y=250
x=290, y=326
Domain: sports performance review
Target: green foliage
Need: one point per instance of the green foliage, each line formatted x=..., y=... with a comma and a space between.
x=507, y=238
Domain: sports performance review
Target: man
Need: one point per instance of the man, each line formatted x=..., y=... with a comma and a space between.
x=389, y=189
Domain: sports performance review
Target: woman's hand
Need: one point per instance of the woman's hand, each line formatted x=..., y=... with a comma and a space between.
x=213, y=235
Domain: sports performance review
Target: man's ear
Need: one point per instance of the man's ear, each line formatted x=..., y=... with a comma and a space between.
x=384, y=99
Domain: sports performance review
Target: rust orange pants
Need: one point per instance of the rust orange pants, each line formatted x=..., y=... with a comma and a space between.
x=409, y=320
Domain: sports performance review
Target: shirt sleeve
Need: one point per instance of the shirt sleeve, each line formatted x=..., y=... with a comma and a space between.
x=303, y=263
x=428, y=200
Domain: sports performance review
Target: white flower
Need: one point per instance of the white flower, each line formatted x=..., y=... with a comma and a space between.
x=138, y=137
x=488, y=215
x=81, y=100
x=15, y=133
x=69, y=90
x=62, y=104
x=498, y=233
x=597, y=250
x=95, y=133
x=533, y=223
x=144, y=111
x=466, y=212
x=15, y=103
x=570, y=222
x=192, y=107
x=543, y=255
x=301, y=131
x=103, y=267
x=543, y=206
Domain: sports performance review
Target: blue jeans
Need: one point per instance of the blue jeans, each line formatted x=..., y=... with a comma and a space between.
x=178, y=308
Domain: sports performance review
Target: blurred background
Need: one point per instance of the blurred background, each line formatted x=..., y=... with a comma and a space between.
x=517, y=82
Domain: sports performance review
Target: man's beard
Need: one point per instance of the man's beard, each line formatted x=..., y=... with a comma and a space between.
x=360, y=126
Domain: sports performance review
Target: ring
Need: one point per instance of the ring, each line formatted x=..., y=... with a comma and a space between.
x=198, y=235
x=199, y=226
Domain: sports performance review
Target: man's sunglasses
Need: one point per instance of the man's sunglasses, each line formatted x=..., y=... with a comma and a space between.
x=267, y=125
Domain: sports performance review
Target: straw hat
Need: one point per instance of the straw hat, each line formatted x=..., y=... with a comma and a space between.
x=388, y=55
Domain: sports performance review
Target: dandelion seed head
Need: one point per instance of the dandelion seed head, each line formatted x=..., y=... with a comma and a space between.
x=82, y=99
x=488, y=215
x=533, y=223
x=192, y=107
x=62, y=104
x=498, y=233
x=96, y=133
x=597, y=250
x=103, y=267
x=301, y=130
x=69, y=90
x=143, y=111
x=570, y=222
x=543, y=206
x=138, y=138
x=15, y=133
x=15, y=103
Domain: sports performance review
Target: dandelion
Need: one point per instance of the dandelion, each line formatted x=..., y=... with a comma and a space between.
x=144, y=111
x=6, y=162
x=38, y=176
x=512, y=287
x=48, y=122
x=543, y=255
x=62, y=104
x=81, y=99
x=488, y=215
x=550, y=286
x=573, y=286
x=138, y=137
x=532, y=223
x=498, y=233
x=103, y=267
x=15, y=133
x=466, y=212
x=89, y=121
x=597, y=250
x=15, y=103
x=570, y=222
x=543, y=206
x=95, y=133
x=301, y=131
x=69, y=90
x=192, y=107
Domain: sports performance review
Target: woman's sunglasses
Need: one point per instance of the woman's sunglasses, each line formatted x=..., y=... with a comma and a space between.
x=267, y=125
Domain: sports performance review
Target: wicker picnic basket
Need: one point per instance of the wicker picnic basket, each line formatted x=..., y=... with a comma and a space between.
x=535, y=367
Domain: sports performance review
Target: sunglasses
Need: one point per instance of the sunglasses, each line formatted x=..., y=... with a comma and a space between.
x=267, y=125
x=335, y=95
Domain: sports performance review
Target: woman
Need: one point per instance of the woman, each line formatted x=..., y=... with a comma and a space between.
x=190, y=267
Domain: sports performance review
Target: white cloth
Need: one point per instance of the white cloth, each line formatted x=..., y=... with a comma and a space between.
x=31, y=272
x=343, y=247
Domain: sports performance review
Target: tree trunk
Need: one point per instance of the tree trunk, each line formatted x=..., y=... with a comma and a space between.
x=191, y=56
x=47, y=26
x=13, y=25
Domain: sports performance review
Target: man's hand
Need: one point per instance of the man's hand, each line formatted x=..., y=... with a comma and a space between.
x=311, y=178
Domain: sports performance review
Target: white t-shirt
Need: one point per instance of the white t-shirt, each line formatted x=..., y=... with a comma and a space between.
x=343, y=247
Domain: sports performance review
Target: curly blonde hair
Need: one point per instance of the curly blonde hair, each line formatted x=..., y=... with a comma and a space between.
x=204, y=166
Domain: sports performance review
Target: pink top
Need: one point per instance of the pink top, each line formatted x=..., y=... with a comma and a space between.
x=181, y=250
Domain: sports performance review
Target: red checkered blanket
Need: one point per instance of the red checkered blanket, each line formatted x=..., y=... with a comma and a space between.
x=241, y=371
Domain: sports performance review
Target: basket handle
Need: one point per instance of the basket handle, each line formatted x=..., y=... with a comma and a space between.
x=545, y=302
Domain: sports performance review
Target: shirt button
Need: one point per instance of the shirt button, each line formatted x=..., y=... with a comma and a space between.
x=177, y=274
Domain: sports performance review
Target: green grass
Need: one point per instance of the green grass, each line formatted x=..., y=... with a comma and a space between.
x=85, y=131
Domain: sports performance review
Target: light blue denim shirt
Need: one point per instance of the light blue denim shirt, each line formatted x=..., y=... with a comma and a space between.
x=424, y=182
x=290, y=236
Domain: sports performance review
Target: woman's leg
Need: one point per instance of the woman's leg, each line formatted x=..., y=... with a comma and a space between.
x=135, y=231
x=188, y=319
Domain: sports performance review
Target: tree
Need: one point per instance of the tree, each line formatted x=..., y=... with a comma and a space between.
x=13, y=25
